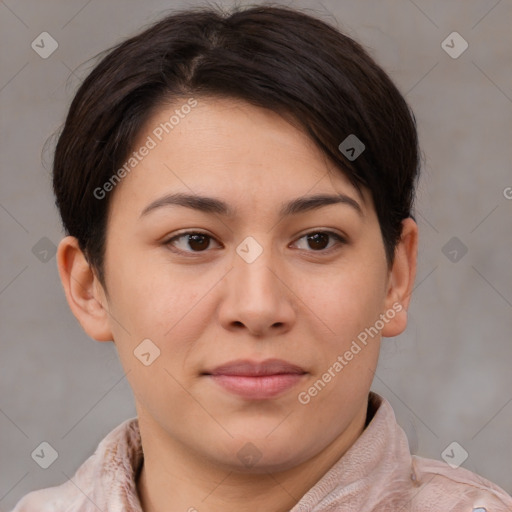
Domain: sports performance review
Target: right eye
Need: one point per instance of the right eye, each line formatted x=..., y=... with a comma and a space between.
x=195, y=240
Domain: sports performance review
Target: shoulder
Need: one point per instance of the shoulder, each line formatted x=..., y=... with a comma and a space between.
x=442, y=487
x=410, y=483
x=52, y=499
x=95, y=484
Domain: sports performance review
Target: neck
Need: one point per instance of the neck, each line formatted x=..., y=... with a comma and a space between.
x=176, y=480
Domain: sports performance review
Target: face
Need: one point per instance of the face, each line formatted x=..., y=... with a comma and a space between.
x=223, y=286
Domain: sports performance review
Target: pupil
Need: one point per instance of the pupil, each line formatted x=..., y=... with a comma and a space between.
x=194, y=238
x=315, y=238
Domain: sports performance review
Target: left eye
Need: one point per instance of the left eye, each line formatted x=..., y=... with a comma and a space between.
x=199, y=242
x=320, y=238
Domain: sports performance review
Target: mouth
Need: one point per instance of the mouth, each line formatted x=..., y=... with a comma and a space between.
x=257, y=380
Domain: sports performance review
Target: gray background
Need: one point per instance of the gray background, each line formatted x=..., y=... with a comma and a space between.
x=448, y=376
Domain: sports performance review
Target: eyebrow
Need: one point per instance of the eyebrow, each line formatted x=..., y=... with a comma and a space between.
x=213, y=205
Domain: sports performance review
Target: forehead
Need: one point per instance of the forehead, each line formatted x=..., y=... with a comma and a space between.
x=228, y=147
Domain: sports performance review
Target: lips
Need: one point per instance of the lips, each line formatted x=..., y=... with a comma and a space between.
x=254, y=369
x=257, y=380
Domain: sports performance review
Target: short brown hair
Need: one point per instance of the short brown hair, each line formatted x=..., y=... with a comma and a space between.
x=271, y=56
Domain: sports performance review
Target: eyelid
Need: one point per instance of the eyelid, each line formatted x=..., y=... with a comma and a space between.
x=328, y=231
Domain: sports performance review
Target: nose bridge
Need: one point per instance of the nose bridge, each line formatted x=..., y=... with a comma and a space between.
x=256, y=297
x=253, y=263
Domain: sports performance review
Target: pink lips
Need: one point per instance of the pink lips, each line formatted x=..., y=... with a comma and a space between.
x=257, y=381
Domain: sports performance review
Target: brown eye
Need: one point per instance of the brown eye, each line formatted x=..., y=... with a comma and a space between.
x=318, y=241
x=191, y=241
x=199, y=242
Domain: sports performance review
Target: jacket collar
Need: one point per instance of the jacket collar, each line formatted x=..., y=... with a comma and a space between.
x=380, y=454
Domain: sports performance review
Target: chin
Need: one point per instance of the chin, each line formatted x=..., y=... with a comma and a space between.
x=262, y=454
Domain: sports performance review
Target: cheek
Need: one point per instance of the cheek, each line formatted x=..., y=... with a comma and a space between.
x=349, y=303
x=346, y=300
x=150, y=293
x=158, y=318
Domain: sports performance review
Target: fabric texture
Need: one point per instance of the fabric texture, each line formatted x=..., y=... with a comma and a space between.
x=377, y=474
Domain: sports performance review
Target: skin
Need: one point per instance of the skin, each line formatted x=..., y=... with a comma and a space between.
x=297, y=301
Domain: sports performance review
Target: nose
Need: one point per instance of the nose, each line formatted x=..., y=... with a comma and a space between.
x=257, y=296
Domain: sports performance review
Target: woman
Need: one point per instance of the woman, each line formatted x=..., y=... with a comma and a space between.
x=237, y=193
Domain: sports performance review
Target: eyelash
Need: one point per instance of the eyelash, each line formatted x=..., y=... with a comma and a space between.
x=340, y=241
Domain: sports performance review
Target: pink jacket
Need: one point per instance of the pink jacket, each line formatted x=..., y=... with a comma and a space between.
x=377, y=474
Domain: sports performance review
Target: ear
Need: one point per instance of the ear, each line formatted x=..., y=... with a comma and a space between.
x=401, y=279
x=84, y=292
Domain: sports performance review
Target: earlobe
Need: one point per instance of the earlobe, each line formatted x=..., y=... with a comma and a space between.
x=401, y=279
x=81, y=288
